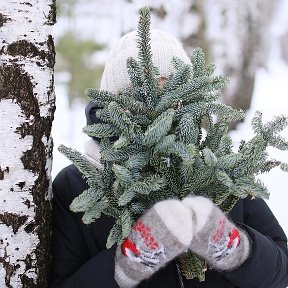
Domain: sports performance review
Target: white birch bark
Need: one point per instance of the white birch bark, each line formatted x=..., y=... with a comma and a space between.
x=26, y=111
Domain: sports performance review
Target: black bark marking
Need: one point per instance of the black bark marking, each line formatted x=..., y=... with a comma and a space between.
x=13, y=220
x=27, y=203
x=27, y=3
x=51, y=18
x=30, y=227
x=27, y=49
x=24, y=129
x=9, y=268
x=6, y=170
x=21, y=184
x=28, y=261
x=23, y=48
x=28, y=282
x=3, y=19
x=51, y=56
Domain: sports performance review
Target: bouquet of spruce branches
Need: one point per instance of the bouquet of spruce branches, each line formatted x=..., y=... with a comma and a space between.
x=161, y=152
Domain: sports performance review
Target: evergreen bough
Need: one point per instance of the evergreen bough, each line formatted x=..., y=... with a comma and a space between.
x=161, y=152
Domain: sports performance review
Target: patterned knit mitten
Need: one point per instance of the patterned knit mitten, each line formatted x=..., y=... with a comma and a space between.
x=159, y=236
x=223, y=245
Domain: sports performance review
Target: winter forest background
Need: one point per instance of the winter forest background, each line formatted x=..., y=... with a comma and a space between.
x=247, y=40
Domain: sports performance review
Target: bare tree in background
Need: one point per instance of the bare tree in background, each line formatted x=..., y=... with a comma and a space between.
x=27, y=105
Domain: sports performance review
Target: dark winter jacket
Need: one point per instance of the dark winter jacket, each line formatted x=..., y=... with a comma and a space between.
x=80, y=259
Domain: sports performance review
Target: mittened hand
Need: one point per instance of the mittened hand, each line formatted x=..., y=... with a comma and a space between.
x=159, y=236
x=169, y=228
x=217, y=240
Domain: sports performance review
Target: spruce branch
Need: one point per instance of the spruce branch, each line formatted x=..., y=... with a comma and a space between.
x=115, y=235
x=148, y=70
x=93, y=176
x=95, y=211
x=192, y=266
x=134, y=72
x=181, y=76
x=159, y=128
x=186, y=131
x=100, y=97
x=86, y=200
x=198, y=62
x=161, y=152
x=103, y=130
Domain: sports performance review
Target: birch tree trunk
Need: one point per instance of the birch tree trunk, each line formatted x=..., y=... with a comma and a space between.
x=27, y=105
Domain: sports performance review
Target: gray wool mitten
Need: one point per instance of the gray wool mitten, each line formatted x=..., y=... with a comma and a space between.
x=160, y=235
x=216, y=239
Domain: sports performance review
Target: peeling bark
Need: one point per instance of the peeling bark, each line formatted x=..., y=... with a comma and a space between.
x=27, y=105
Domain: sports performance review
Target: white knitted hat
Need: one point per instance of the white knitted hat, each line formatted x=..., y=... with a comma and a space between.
x=164, y=47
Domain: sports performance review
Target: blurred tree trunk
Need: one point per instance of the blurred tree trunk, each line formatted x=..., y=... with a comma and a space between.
x=284, y=46
x=238, y=39
x=27, y=105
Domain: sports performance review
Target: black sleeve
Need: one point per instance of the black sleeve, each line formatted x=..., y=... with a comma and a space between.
x=72, y=263
x=267, y=266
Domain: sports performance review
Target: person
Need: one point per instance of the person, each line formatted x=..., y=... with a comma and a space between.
x=246, y=248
